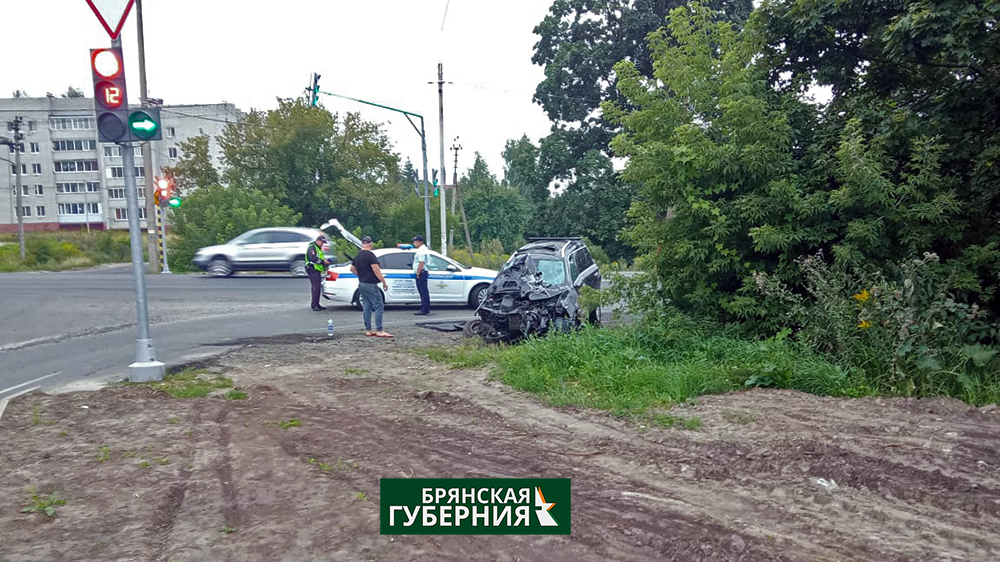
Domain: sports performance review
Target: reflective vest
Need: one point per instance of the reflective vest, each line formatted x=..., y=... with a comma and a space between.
x=319, y=254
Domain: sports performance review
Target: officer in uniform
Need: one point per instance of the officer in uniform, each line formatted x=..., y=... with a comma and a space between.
x=316, y=264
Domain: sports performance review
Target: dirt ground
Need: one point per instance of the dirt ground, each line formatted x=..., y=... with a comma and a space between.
x=770, y=475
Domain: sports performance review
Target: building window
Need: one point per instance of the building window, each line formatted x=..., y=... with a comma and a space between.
x=116, y=193
x=76, y=166
x=39, y=190
x=32, y=126
x=78, y=145
x=24, y=190
x=122, y=214
x=93, y=187
x=119, y=172
x=71, y=124
x=40, y=210
x=172, y=152
x=171, y=132
x=24, y=169
x=79, y=209
x=25, y=211
x=141, y=192
x=34, y=148
x=36, y=169
x=116, y=151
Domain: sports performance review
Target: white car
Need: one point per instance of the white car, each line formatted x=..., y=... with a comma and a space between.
x=449, y=282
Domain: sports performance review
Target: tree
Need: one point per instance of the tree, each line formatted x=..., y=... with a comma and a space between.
x=521, y=171
x=215, y=214
x=194, y=169
x=317, y=163
x=72, y=92
x=493, y=210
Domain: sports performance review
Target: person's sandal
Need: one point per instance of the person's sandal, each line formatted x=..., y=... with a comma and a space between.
x=384, y=335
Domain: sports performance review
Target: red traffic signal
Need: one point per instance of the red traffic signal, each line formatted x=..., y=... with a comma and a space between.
x=110, y=98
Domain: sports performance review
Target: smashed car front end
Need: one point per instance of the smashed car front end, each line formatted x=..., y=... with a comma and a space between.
x=521, y=303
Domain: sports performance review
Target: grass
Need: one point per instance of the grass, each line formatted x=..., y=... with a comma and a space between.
x=59, y=251
x=463, y=356
x=285, y=424
x=42, y=503
x=191, y=383
x=103, y=453
x=235, y=394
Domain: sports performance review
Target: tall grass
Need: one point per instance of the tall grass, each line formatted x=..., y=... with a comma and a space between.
x=64, y=250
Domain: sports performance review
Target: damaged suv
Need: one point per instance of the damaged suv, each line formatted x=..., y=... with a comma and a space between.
x=537, y=290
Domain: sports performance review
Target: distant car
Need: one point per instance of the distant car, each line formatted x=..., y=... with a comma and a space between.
x=449, y=281
x=537, y=291
x=261, y=249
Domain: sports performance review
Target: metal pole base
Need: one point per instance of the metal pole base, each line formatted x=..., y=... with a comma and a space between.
x=146, y=368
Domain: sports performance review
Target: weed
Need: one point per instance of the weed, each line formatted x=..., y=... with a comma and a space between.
x=227, y=530
x=463, y=356
x=173, y=421
x=339, y=465
x=63, y=433
x=129, y=454
x=361, y=497
x=236, y=395
x=310, y=461
x=285, y=424
x=191, y=383
x=162, y=461
x=39, y=503
x=352, y=371
x=149, y=448
x=103, y=453
x=692, y=424
x=50, y=422
x=144, y=464
x=36, y=416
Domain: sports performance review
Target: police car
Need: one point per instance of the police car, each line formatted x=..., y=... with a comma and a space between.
x=449, y=282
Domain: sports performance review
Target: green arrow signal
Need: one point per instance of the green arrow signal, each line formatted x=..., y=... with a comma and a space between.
x=142, y=125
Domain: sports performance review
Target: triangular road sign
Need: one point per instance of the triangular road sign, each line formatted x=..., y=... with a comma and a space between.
x=112, y=14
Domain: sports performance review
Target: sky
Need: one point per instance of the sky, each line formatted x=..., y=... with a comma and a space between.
x=252, y=52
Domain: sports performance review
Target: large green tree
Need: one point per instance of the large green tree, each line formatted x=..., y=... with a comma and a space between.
x=194, y=168
x=319, y=164
x=494, y=211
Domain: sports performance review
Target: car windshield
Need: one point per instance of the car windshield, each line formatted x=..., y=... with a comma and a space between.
x=553, y=271
x=241, y=237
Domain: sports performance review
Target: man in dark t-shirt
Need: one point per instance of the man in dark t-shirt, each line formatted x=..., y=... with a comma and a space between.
x=365, y=266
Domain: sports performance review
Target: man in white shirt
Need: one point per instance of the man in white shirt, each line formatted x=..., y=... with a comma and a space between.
x=420, y=261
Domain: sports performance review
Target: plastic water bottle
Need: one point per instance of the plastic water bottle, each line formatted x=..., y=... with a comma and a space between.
x=329, y=328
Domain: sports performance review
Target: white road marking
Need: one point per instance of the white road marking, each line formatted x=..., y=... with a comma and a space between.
x=32, y=381
x=5, y=401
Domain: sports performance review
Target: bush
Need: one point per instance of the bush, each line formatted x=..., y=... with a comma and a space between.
x=905, y=331
x=65, y=250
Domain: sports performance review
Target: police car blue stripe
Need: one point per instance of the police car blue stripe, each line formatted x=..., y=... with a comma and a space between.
x=412, y=276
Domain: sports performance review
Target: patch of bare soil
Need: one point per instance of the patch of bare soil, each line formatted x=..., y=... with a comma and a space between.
x=771, y=475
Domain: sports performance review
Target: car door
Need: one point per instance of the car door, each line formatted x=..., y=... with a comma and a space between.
x=288, y=245
x=397, y=268
x=444, y=284
x=583, y=270
x=255, y=249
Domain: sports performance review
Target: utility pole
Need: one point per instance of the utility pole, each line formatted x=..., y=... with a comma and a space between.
x=19, y=204
x=458, y=197
x=442, y=191
x=153, y=247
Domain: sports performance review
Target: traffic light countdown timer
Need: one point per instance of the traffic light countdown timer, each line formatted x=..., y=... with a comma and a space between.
x=115, y=123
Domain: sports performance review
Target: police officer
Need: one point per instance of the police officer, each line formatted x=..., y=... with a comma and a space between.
x=316, y=264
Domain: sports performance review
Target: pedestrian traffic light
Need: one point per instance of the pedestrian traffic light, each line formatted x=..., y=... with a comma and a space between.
x=110, y=99
x=166, y=193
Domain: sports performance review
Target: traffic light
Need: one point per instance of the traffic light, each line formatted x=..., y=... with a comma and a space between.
x=115, y=123
x=435, y=176
x=166, y=193
x=110, y=99
x=315, y=90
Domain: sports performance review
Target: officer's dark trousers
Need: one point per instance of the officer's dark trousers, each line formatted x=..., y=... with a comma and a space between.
x=317, y=285
x=422, y=290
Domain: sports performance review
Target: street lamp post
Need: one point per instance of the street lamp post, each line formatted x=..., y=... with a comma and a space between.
x=15, y=144
x=423, y=148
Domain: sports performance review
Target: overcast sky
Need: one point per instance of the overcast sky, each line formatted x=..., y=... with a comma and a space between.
x=251, y=52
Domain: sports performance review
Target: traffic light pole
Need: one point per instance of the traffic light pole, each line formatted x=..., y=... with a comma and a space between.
x=147, y=151
x=17, y=169
x=145, y=368
x=163, y=237
x=423, y=148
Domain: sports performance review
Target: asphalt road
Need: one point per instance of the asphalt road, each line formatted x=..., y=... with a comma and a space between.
x=57, y=328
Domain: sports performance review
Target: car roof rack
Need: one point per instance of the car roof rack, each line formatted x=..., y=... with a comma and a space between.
x=553, y=238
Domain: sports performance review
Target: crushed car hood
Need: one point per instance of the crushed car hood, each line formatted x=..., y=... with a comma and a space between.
x=520, y=303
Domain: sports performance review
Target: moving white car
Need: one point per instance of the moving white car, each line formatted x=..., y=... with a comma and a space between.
x=449, y=282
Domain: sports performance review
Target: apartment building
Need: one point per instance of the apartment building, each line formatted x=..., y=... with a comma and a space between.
x=69, y=181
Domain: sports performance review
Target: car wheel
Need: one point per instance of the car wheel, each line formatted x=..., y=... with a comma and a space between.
x=298, y=268
x=219, y=267
x=357, y=299
x=478, y=295
x=475, y=328
x=595, y=317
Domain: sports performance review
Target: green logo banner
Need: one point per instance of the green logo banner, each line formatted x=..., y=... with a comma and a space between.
x=475, y=506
